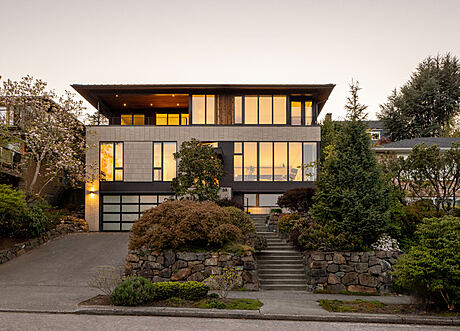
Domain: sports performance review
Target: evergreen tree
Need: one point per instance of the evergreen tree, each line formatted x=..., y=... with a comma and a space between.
x=352, y=195
x=426, y=105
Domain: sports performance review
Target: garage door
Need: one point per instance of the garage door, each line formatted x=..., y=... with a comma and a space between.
x=120, y=211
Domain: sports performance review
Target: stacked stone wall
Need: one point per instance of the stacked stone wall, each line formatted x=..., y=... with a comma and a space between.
x=189, y=266
x=350, y=271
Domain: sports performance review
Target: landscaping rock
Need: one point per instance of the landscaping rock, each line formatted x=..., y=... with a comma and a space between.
x=181, y=274
x=186, y=256
x=368, y=280
x=333, y=279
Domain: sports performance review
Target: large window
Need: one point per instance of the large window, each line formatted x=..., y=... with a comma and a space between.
x=260, y=109
x=203, y=109
x=132, y=119
x=164, y=164
x=301, y=113
x=274, y=161
x=171, y=119
x=111, y=161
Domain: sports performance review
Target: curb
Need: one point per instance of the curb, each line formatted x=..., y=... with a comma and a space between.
x=256, y=315
x=249, y=315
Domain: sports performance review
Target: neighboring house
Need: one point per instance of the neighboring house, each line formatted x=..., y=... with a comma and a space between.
x=404, y=147
x=375, y=130
x=16, y=173
x=263, y=133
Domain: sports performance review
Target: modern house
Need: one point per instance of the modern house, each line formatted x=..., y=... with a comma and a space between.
x=265, y=135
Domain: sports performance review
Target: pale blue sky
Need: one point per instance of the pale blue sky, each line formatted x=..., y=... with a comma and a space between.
x=378, y=43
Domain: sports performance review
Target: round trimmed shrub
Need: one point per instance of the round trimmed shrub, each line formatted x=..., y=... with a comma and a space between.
x=287, y=222
x=193, y=290
x=241, y=220
x=133, y=291
x=183, y=224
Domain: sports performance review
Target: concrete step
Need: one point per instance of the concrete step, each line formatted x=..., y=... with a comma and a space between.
x=284, y=287
x=279, y=266
x=274, y=259
x=285, y=274
x=280, y=246
x=282, y=281
x=274, y=250
x=280, y=254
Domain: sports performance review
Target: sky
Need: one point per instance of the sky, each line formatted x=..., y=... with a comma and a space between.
x=378, y=43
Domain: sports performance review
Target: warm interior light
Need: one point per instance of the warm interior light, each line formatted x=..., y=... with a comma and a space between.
x=124, y=105
x=92, y=192
x=173, y=95
x=177, y=104
x=116, y=95
x=151, y=105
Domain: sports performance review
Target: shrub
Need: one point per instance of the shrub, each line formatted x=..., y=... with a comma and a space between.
x=106, y=279
x=229, y=203
x=12, y=208
x=166, y=290
x=241, y=220
x=224, y=234
x=431, y=268
x=215, y=304
x=275, y=211
x=132, y=292
x=193, y=290
x=138, y=290
x=223, y=282
x=183, y=224
x=260, y=242
x=18, y=219
x=297, y=200
x=308, y=234
x=287, y=222
x=406, y=218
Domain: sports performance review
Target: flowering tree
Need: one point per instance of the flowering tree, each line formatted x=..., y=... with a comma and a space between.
x=47, y=127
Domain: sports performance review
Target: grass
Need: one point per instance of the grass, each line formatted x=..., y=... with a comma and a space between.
x=240, y=304
x=362, y=306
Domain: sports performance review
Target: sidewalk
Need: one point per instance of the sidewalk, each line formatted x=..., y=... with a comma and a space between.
x=278, y=305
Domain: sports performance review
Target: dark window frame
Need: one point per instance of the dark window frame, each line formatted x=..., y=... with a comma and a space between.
x=205, y=110
x=273, y=161
x=113, y=162
x=162, y=161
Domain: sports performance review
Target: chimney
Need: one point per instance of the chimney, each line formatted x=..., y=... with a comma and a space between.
x=328, y=116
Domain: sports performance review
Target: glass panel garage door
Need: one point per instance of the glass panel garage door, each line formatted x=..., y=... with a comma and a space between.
x=120, y=211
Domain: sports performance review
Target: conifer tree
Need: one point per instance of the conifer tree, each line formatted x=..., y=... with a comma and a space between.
x=352, y=196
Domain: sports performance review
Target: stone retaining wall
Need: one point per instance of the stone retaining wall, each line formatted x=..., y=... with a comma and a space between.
x=187, y=266
x=68, y=225
x=352, y=271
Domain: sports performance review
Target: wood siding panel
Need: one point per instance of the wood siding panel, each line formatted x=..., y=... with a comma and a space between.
x=224, y=109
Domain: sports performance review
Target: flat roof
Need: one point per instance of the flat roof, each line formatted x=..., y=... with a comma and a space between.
x=102, y=95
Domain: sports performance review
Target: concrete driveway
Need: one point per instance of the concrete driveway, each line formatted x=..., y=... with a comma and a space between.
x=54, y=276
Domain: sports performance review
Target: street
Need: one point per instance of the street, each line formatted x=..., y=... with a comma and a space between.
x=41, y=321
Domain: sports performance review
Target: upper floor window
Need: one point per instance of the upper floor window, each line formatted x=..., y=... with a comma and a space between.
x=374, y=135
x=274, y=161
x=132, y=119
x=111, y=161
x=260, y=109
x=171, y=119
x=203, y=109
x=164, y=164
x=6, y=116
x=301, y=113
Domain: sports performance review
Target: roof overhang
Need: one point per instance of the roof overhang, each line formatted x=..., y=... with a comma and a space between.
x=97, y=95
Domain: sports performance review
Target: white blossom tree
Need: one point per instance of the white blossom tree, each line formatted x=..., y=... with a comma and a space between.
x=46, y=125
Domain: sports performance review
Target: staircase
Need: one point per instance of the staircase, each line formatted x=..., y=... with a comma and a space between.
x=279, y=266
